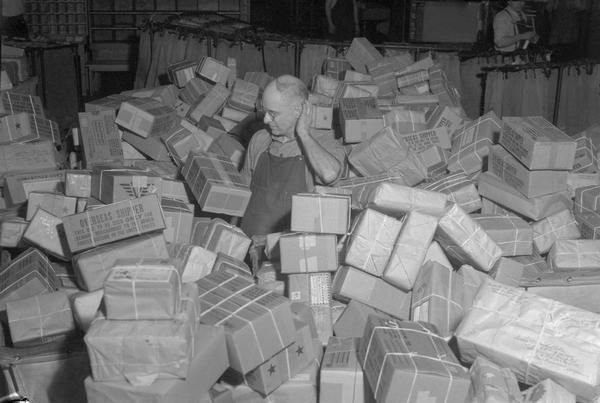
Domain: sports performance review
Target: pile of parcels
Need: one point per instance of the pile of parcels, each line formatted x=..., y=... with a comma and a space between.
x=483, y=233
x=14, y=70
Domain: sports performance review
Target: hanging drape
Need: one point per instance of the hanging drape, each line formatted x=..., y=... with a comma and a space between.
x=579, y=106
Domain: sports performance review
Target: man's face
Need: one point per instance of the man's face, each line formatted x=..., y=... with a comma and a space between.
x=517, y=5
x=280, y=116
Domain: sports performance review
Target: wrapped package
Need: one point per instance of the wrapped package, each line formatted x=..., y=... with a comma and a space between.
x=537, y=143
x=200, y=227
x=18, y=186
x=142, y=289
x=194, y=89
x=328, y=214
x=587, y=199
x=511, y=233
x=179, y=217
x=459, y=188
x=561, y=225
x=574, y=255
x=361, y=54
x=360, y=119
x=444, y=116
x=548, y=391
x=578, y=180
x=424, y=139
x=342, y=378
x=26, y=127
x=11, y=231
x=537, y=338
x=396, y=200
x=586, y=154
x=244, y=95
x=410, y=249
x=210, y=104
x=507, y=271
x=353, y=319
x=44, y=231
x=192, y=261
x=472, y=280
x=92, y=266
x=13, y=103
x=181, y=72
x=350, y=283
x=39, y=155
x=85, y=307
x=226, y=238
x=466, y=241
x=384, y=71
x=493, y=188
x=186, y=137
x=39, y=318
x=589, y=225
x=146, y=117
x=56, y=204
x=405, y=360
x=231, y=265
x=371, y=242
x=152, y=147
x=216, y=184
x=310, y=288
x=308, y=252
x=115, y=185
x=533, y=265
x=227, y=145
x=335, y=67
x=213, y=70
x=435, y=253
x=113, y=222
x=78, y=183
x=141, y=351
x=258, y=323
x=405, y=121
x=492, y=384
x=109, y=103
x=100, y=138
x=437, y=298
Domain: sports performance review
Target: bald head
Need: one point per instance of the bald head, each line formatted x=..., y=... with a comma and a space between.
x=289, y=89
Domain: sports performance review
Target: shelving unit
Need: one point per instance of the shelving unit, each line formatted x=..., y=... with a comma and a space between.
x=58, y=20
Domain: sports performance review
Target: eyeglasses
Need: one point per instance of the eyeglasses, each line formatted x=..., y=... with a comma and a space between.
x=272, y=114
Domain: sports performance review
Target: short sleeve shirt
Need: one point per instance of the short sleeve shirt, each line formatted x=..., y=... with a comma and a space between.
x=505, y=25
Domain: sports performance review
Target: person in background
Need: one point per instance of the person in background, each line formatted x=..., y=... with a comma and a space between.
x=286, y=158
x=12, y=22
x=342, y=19
x=511, y=30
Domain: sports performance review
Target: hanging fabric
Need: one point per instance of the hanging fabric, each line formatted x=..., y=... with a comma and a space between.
x=247, y=56
x=144, y=59
x=311, y=60
x=579, y=99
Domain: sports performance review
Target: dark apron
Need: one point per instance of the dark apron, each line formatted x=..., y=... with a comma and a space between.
x=274, y=181
x=342, y=15
x=521, y=26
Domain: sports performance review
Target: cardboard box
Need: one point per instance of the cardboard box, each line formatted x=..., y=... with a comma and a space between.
x=25, y=127
x=324, y=85
x=307, y=252
x=576, y=181
x=92, y=267
x=152, y=147
x=110, y=103
x=200, y=227
x=17, y=186
x=216, y=184
x=425, y=139
x=353, y=319
x=56, y=204
x=99, y=138
x=142, y=289
x=228, y=146
x=412, y=78
x=410, y=249
x=444, y=116
x=181, y=72
x=511, y=233
x=350, y=283
x=360, y=119
x=113, y=222
x=27, y=275
x=492, y=384
x=244, y=95
x=207, y=365
x=548, y=391
x=587, y=199
x=561, y=225
x=165, y=94
x=459, y=188
x=470, y=143
x=85, y=306
x=423, y=363
x=259, y=78
x=233, y=114
x=530, y=183
x=473, y=279
x=223, y=237
x=184, y=138
x=175, y=190
x=45, y=231
x=322, y=116
x=537, y=143
x=226, y=263
x=254, y=332
x=574, y=255
x=397, y=200
x=194, y=89
x=111, y=185
x=464, y=240
x=178, y=220
x=533, y=265
x=146, y=117
x=405, y=121
x=210, y=104
x=504, y=326
x=140, y=351
x=436, y=254
x=342, y=378
x=78, y=183
x=371, y=242
x=586, y=155
x=39, y=318
x=13, y=103
x=361, y=54
x=437, y=298
x=310, y=288
x=213, y=70
x=193, y=262
x=36, y=156
x=335, y=67
x=355, y=89
x=589, y=225
x=432, y=162
x=328, y=214
x=493, y=188
x=284, y=365
x=11, y=231
x=384, y=71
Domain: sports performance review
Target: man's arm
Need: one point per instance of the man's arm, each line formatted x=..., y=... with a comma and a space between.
x=329, y=4
x=324, y=165
x=504, y=29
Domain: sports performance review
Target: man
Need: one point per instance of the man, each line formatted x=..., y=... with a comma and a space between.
x=12, y=22
x=511, y=31
x=287, y=158
x=342, y=19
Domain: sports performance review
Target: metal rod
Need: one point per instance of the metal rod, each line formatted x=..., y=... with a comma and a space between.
x=559, y=80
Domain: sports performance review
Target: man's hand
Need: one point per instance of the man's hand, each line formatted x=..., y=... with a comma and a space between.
x=529, y=35
x=331, y=29
x=304, y=120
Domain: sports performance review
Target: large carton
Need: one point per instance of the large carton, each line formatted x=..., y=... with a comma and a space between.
x=360, y=119
x=310, y=288
x=325, y=214
x=410, y=249
x=589, y=225
x=383, y=72
x=142, y=289
x=537, y=338
x=193, y=262
x=45, y=231
x=537, y=143
x=13, y=103
x=396, y=200
x=92, y=266
x=464, y=240
x=353, y=319
x=362, y=54
x=146, y=117
x=493, y=188
x=530, y=183
x=437, y=298
x=115, y=185
x=179, y=218
x=405, y=121
x=424, y=139
x=208, y=364
x=228, y=146
x=512, y=234
x=36, y=156
x=561, y=225
x=210, y=104
x=226, y=238
x=18, y=186
x=405, y=360
x=181, y=72
x=308, y=252
x=342, y=378
x=350, y=283
x=113, y=222
x=371, y=242
x=153, y=147
x=185, y=138
x=56, y=204
x=25, y=127
x=574, y=255
x=258, y=323
x=213, y=70
x=587, y=199
x=99, y=138
x=460, y=189
x=232, y=265
x=11, y=231
x=216, y=184
x=244, y=95
x=194, y=90
x=39, y=318
x=78, y=183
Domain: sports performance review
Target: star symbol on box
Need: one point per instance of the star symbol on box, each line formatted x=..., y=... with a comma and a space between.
x=300, y=350
x=271, y=369
x=18, y=125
